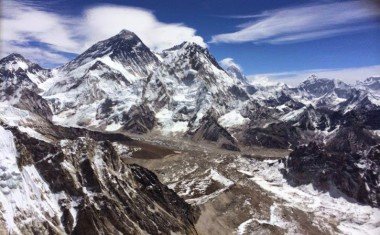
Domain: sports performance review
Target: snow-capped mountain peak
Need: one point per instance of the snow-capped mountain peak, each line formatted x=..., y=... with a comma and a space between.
x=234, y=71
x=125, y=49
x=126, y=34
x=191, y=52
x=15, y=66
x=15, y=62
x=372, y=84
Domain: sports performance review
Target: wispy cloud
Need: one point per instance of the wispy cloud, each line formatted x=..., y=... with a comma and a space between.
x=265, y=13
x=306, y=22
x=293, y=78
x=227, y=62
x=25, y=26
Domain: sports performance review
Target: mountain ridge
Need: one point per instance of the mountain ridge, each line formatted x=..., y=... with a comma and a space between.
x=188, y=68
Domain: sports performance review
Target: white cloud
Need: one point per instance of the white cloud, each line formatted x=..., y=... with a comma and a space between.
x=24, y=23
x=293, y=78
x=227, y=62
x=305, y=22
x=35, y=54
x=107, y=20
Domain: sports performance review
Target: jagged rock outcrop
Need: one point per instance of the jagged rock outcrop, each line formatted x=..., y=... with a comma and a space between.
x=356, y=175
x=276, y=135
x=139, y=119
x=209, y=129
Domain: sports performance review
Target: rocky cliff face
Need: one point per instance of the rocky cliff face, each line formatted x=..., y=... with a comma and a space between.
x=210, y=130
x=80, y=185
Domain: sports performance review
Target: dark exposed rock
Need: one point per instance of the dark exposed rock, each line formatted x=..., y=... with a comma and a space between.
x=104, y=71
x=363, y=117
x=34, y=103
x=162, y=97
x=275, y=135
x=282, y=99
x=209, y=129
x=105, y=109
x=259, y=115
x=238, y=92
x=139, y=119
x=355, y=175
x=251, y=89
x=351, y=140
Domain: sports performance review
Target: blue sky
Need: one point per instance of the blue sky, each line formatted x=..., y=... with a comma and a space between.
x=283, y=40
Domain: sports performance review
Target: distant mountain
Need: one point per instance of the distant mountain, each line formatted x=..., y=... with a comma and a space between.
x=236, y=72
x=319, y=87
x=19, y=79
x=15, y=65
x=372, y=84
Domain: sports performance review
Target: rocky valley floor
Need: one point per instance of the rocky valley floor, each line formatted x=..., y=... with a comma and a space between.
x=245, y=193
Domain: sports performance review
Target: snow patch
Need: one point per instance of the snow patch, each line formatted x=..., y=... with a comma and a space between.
x=231, y=119
x=23, y=193
x=168, y=125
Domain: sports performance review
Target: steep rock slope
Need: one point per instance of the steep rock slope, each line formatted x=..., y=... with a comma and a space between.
x=81, y=186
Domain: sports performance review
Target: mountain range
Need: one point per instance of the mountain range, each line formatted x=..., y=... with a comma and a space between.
x=64, y=132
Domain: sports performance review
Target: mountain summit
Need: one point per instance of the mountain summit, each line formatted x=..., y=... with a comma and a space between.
x=125, y=48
